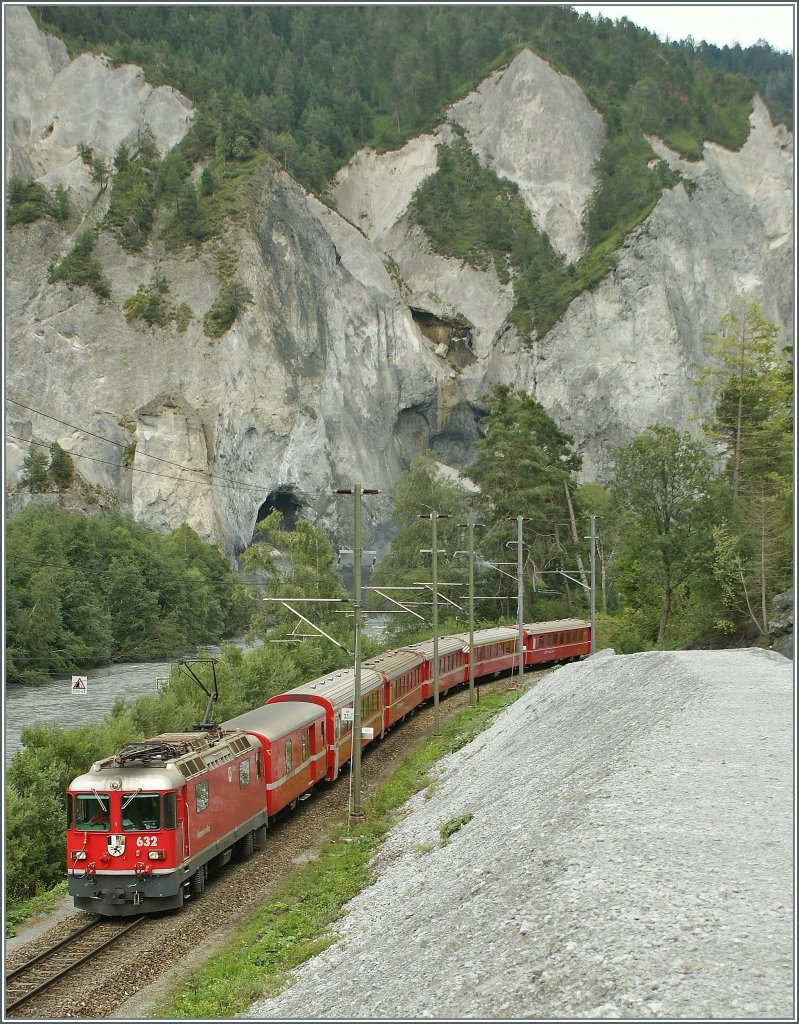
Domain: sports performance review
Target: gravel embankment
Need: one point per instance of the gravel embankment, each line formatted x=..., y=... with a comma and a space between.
x=630, y=855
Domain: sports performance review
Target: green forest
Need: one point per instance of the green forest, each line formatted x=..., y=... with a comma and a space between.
x=311, y=85
x=83, y=591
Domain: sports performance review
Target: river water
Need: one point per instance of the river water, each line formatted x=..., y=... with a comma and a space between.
x=55, y=701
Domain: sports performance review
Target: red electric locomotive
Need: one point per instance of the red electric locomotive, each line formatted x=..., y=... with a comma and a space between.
x=145, y=824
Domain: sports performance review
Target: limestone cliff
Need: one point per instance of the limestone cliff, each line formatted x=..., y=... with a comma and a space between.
x=349, y=360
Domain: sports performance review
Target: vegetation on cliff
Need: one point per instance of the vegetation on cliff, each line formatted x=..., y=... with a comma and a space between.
x=311, y=87
x=78, y=267
x=30, y=201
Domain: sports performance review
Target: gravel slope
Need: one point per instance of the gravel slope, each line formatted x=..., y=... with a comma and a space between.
x=630, y=855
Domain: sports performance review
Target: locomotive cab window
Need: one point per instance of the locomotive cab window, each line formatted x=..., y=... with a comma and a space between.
x=141, y=812
x=170, y=806
x=244, y=773
x=92, y=812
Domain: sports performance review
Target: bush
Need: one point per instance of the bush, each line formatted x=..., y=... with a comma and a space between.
x=29, y=202
x=233, y=300
x=77, y=269
x=151, y=305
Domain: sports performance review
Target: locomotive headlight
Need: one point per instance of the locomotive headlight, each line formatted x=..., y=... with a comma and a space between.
x=79, y=855
x=157, y=855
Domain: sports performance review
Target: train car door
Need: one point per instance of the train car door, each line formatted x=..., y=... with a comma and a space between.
x=182, y=839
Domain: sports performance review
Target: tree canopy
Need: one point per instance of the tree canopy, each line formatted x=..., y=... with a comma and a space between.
x=527, y=466
x=750, y=385
x=82, y=592
x=662, y=483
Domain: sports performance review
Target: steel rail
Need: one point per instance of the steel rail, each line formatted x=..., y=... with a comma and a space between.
x=48, y=953
x=53, y=949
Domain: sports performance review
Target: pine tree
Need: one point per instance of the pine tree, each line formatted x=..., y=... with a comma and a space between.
x=62, y=469
x=752, y=389
x=748, y=387
x=35, y=470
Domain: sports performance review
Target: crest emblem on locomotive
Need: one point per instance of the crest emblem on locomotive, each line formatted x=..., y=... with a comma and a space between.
x=116, y=845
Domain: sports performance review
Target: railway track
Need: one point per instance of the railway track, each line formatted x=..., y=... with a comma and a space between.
x=52, y=965
x=114, y=990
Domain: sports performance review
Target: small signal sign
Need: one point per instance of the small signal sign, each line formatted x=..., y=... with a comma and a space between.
x=80, y=685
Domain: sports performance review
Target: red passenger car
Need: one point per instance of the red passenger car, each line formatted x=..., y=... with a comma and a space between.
x=403, y=673
x=292, y=737
x=495, y=650
x=452, y=663
x=559, y=640
x=335, y=694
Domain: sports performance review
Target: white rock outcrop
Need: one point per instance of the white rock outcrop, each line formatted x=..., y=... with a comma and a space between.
x=52, y=104
x=334, y=374
x=534, y=126
x=624, y=355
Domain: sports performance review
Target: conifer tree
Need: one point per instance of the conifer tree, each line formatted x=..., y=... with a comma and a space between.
x=750, y=392
x=751, y=385
x=62, y=469
x=35, y=469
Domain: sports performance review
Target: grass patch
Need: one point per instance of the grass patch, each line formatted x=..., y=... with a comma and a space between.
x=295, y=925
x=449, y=828
x=44, y=903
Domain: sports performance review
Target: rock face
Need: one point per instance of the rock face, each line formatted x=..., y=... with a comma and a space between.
x=353, y=357
x=53, y=104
